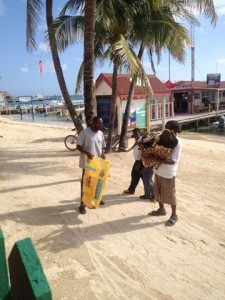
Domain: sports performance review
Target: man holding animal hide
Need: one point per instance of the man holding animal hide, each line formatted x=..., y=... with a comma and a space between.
x=166, y=169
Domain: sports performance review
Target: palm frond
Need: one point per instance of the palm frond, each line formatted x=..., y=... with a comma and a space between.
x=80, y=79
x=123, y=52
x=67, y=30
x=205, y=7
x=73, y=6
x=34, y=8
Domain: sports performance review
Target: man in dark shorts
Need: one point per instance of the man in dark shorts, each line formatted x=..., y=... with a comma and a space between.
x=90, y=142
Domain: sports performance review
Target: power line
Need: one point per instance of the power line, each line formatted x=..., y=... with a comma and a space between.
x=199, y=72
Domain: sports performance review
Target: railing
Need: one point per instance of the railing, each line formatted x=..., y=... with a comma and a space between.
x=221, y=107
x=156, y=111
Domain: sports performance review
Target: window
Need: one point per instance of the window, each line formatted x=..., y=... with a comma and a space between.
x=196, y=95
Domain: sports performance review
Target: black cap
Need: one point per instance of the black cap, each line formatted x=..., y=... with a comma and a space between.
x=173, y=125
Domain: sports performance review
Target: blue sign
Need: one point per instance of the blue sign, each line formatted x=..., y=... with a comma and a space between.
x=213, y=80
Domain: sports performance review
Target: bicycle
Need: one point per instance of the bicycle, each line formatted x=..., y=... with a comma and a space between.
x=70, y=141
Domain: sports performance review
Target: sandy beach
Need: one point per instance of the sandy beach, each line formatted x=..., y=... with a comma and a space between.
x=116, y=251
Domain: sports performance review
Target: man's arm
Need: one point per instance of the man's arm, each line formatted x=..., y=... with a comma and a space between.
x=159, y=160
x=103, y=154
x=131, y=148
x=170, y=161
x=81, y=149
x=166, y=161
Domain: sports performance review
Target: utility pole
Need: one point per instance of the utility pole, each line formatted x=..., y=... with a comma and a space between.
x=189, y=4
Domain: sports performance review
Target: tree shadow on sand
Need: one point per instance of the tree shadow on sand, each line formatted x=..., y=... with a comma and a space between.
x=22, y=153
x=73, y=233
x=46, y=162
x=37, y=186
x=55, y=139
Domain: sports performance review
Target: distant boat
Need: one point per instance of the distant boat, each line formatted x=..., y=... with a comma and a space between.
x=40, y=97
x=55, y=103
x=24, y=98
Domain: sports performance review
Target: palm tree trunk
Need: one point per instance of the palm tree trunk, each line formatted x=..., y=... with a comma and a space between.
x=59, y=72
x=89, y=37
x=122, y=142
x=112, y=106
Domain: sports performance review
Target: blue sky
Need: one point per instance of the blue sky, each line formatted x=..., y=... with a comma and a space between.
x=19, y=71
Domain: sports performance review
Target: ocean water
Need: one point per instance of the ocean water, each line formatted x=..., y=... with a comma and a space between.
x=51, y=101
x=53, y=105
x=41, y=119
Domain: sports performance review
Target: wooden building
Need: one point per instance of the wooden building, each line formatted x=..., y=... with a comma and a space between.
x=194, y=97
x=103, y=92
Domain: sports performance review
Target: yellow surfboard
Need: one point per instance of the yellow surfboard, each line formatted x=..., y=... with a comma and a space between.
x=94, y=181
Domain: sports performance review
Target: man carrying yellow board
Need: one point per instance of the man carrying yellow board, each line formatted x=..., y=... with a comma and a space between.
x=91, y=144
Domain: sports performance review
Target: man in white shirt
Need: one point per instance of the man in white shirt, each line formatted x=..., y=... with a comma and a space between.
x=91, y=142
x=164, y=181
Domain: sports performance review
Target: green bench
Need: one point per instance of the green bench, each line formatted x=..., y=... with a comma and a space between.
x=27, y=278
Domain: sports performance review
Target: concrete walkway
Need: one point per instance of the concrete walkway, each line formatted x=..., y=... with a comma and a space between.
x=187, y=118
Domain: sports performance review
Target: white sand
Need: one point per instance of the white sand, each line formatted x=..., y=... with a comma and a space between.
x=116, y=251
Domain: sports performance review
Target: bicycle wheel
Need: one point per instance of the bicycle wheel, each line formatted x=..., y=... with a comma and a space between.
x=70, y=142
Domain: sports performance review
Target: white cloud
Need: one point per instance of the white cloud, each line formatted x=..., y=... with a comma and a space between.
x=24, y=69
x=221, y=61
x=2, y=8
x=42, y=47
x=220, y=11
x=220, y=7
x=219, y=3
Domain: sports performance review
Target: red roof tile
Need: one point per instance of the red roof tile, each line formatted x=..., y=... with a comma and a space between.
x=201, y=85
x=123, y=84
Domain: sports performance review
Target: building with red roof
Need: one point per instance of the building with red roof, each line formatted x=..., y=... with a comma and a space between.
x=197, y=96
x=103, y=92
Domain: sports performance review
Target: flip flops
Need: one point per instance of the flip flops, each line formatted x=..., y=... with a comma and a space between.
x=172, y=221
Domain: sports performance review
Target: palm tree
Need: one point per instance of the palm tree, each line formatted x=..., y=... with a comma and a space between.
x=110, y=26
x=33, y=12
x=117, y=20
x=115, y=23
x=88, y=65
x=155, y=30
x=67, y=29
x=174, y=8
x=134, y=13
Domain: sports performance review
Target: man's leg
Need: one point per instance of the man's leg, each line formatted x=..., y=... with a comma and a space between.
x=157, y=186
x=135, y=177
x=82, y=208
x=173, y=218
x=174, y=210
x=149, y=194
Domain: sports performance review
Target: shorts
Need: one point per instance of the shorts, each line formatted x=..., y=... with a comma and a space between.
x=164, y=190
